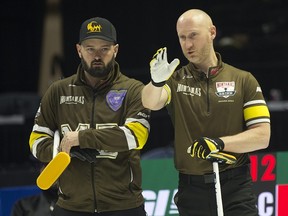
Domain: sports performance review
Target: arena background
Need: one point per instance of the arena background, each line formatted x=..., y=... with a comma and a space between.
x=38, y=43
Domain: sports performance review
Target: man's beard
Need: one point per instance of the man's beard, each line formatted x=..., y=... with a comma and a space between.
x=99, y=72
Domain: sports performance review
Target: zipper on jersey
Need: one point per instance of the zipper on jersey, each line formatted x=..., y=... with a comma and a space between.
x=94, y=187
x=92, y=125
x=206, y=79
x=208, y=94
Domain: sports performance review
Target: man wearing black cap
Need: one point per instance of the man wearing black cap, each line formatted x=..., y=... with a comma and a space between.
x=103, y=126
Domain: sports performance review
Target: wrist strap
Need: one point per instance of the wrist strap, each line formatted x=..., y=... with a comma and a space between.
x=220, y=143
x=160, y=84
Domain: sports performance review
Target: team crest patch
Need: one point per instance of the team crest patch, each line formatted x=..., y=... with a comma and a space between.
x=225, y=89
x=115, y=98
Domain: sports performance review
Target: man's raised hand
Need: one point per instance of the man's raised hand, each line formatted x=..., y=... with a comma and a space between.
x=160, y=69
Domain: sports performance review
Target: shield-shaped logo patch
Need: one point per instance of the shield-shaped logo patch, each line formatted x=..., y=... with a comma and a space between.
x=115, y=98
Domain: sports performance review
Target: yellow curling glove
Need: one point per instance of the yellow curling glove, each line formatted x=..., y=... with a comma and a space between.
x=160, y=69
x=209, y=149
x=222, y=157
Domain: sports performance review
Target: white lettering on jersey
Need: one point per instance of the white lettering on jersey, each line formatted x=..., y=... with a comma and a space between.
x=188, y=90
x=72, y=99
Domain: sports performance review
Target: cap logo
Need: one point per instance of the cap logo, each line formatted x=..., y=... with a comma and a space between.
x=93, y=27
x=97, y=27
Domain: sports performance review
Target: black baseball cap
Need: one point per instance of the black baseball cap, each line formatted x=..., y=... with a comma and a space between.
x=98, y=27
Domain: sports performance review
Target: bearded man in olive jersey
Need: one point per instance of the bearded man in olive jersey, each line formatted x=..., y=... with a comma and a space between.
x=103, y=125
x=219, y=114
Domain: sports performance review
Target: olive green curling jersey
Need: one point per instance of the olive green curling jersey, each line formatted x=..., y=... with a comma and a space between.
x=224, y=104
x=109, y=118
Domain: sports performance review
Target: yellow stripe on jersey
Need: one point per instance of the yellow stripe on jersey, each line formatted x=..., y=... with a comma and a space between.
x=35, y=136
x=140, y=132
x=256, y=112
